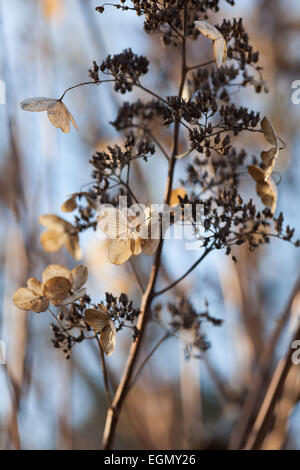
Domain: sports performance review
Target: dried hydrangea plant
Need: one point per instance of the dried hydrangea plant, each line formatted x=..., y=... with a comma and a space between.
x=204, y=112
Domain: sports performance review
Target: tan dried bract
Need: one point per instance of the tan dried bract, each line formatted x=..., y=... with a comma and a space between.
x=219, y=43
x=69, y=205
x=58, y=113
x=130, y=234
x=59, y=286
x=99, y=321
x=60, y=233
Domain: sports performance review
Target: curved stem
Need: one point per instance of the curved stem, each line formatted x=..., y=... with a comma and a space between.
x=208, y=250
x=153, y=350
x=83, y=84
x=193, y=67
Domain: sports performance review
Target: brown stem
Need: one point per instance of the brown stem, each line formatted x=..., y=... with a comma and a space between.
x=264, y=420
x=242, y=429
x=104, y=372
x=123, y=387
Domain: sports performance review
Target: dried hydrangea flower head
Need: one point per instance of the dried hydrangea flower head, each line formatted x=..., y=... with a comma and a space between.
x=130, y=233
x=219, y=43
x=60, y=233
x=58, y=113
x=99, y=320
x=59, y=286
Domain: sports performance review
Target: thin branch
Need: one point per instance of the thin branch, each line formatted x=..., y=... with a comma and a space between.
x=150, y=92
x=83, y=84
x=104, y=372
x=264, y=421
x=153, y=350
x=240, y=433
x=193, y=67
x=162, y=291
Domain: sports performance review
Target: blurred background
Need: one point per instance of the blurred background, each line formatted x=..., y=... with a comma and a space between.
x=47, y=402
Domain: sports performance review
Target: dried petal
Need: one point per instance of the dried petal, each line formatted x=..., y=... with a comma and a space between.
x=58, y=116
x=56, y=270
x=257, y=173
x=113, y=223
x=135, y=246
x=268, y=194
x=26, y=299
x=207, y=29
x=52, y=240
x=97, y=319
x=54, y=222
x=220, y=51
x=268, y=156
x=69, y=205
x=186, y=92
x=80, y=275
x=108, y=339
x=57, y=289
x=34, y=285
x=119, y=251
x=37, y=104
x=72, y=119
x=269, y=131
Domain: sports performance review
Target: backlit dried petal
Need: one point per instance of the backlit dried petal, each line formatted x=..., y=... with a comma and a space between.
x=80, y=275
x=57, y=289
x=269, y=131
x=268, y=156
x=207, y=29
x=220, y=51
x=56, y=270
x=72, y=119
x=119, y=251
x=52, y=240
x=135, y=246
x=113, y=223
x=108, y=339
x=186, y=92
x=54, y=222
x=269, y=159
x=37, y=104
x=58, y=116
x=69, y=205
x=34, y=285
x=268, y=194
x=26, y=299
x=257, y=173
x=97, y=319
